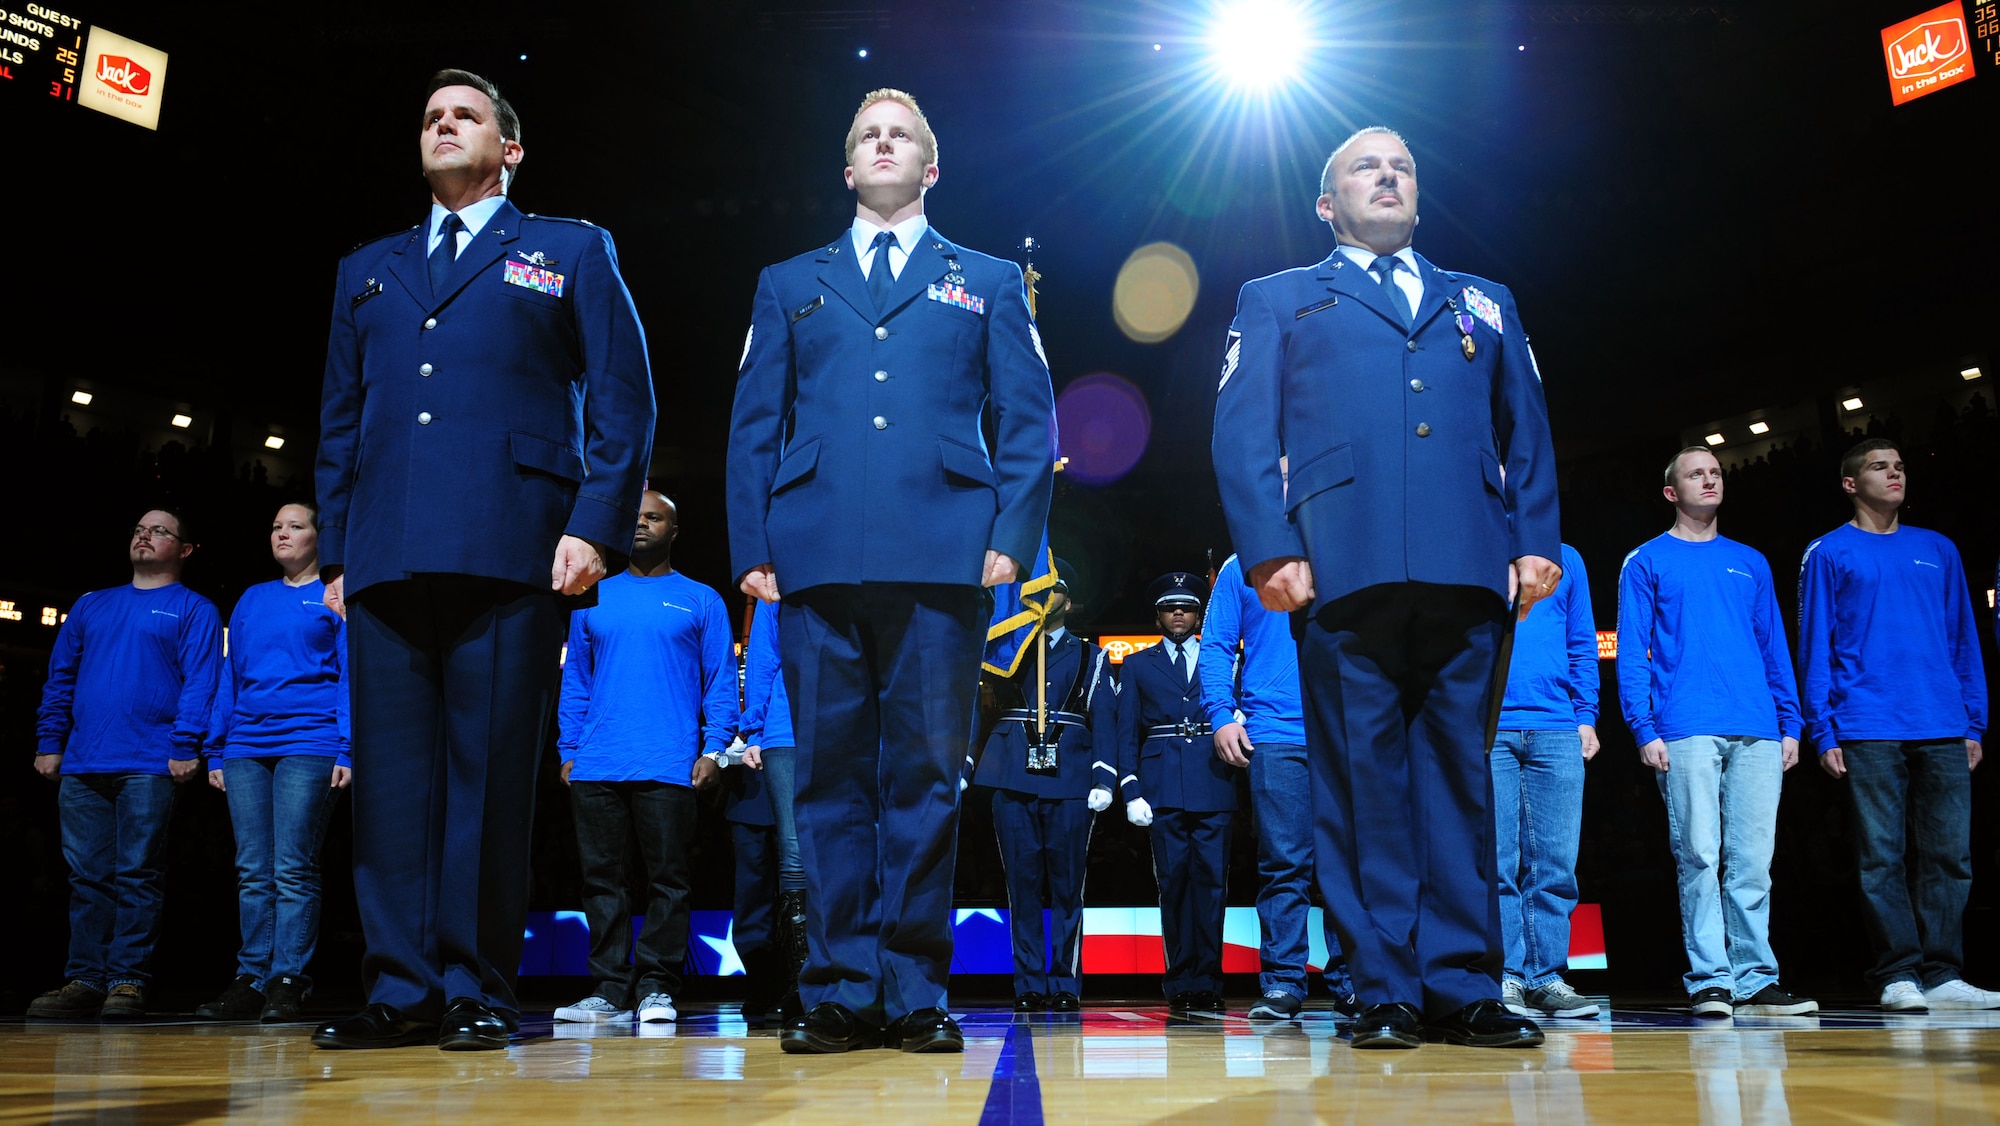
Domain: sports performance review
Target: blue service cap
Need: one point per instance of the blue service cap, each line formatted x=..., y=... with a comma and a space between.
x=1178, y=586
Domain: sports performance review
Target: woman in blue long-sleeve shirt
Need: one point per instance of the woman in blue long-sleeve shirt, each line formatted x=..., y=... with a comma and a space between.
x=279, y=749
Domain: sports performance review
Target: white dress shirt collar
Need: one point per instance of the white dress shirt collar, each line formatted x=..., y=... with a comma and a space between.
x=908, y=232
x=475, y=216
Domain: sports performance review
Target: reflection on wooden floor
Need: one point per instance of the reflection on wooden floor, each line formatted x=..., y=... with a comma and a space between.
x=1112, y=1065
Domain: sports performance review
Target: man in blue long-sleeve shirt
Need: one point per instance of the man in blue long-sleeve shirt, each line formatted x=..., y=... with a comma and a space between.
x=1260, y=725
x=1895, y=699
x=1708, y=692
x=121, y=723
x=649, y=688
x=1548, y=730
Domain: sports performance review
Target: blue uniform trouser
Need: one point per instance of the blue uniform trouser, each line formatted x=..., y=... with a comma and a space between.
x=114, y=837
x=279, y=808
x=453, y=679
x=755, y=888
x=882, y=679
x=1281, y=800
x=1043, y=845
x=1538, y=822
x=1914, y=796
x=1191, y=862
x=1396, y=679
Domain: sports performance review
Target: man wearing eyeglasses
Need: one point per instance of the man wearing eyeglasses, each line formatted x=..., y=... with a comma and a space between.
x=121, y=723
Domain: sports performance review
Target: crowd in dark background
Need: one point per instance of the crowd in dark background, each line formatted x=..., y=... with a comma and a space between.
x=73, y=495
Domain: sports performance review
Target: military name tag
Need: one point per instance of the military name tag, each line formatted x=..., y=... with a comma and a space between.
x=956, y=295
x=374, y=290
x=533, y=277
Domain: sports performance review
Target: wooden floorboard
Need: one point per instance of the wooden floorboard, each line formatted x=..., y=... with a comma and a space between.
x=1115, y=1064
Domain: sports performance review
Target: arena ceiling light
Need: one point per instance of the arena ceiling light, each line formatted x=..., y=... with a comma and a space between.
x=1714, y=439
x=1258, y=44
x=1853, y=404
x=1760, y=428
x=183, y=421
x=1969, y=374
x=274, y=443
x=80, y=398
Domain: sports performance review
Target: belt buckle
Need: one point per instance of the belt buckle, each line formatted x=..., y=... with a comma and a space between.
x=1042, y=756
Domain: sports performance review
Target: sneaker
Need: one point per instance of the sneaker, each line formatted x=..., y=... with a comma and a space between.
x=73, y=1000
x=1903, y=996
x=1959, y=994
x=1514, y=996
x=1276, y=1005
x=126, y=1000
x=594, y=1010
x=1772, y=1001
x=657, y=1008
x=285, y=1000
x=1712, y=1002
x=241, y=1001
x=1558, y=1000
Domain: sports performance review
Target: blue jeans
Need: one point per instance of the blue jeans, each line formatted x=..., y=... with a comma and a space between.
x=1281, y=802
x=114, y=837
x=1919, y=793
x=1537, y=822
x=780, y=774
x=1722, y=815
x=279, y=807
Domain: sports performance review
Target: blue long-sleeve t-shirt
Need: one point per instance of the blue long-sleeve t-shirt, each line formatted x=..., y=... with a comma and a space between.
x=131, y=681
x=767, y=712
x=1552, y=679
x=283, y=689
x=1888, y=645
x=1272, y=711
x=1701, y=650
x=650, y=681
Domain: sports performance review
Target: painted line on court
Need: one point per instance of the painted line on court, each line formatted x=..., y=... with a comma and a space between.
x=1015, y=1099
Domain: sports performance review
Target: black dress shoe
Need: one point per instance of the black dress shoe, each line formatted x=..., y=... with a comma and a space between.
x=829, y=1027
x=469, y=1026
x=1065, y=1002
x=1206, y=1001
x=1485, y=1024
x=926, y=1030
x=1031, y=1002
x=377, y=1026
x=1388, y=1026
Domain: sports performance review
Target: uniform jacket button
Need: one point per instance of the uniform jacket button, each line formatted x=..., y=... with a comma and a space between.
x=881, y=377
x=881, y=333
x=424, y=419
x=424, y=370
x=881, y=423
x=1423, y=429
x=431, y=323
x=1411, y=345
x=1416, y=385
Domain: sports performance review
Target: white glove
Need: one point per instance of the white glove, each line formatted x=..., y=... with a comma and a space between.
x=1099, y=800
x=1138, y=812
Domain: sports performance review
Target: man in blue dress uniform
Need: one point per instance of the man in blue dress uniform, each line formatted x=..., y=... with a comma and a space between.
x=1398, y=392
x=1176, y=787
x=486, y=423
x=1047, y=790
x=862, y=488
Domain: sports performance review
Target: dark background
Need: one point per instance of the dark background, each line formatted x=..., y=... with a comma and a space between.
x=1704, y=211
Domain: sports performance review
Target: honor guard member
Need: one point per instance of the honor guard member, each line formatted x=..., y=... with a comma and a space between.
x=1397, y=391
x=1176, y=788
x=1049, y=781
x=484, y=432
x=1253, y=704
x=874, y=369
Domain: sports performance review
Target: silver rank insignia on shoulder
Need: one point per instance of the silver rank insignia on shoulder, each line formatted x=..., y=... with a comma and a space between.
x=538, y=258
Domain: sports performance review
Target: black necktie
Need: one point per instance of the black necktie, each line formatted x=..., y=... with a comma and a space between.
x=1180, y=662
x=1385, y=270
x=880, y=276
x=444, y=253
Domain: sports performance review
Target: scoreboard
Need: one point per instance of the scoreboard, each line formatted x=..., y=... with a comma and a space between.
x=50, y=52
